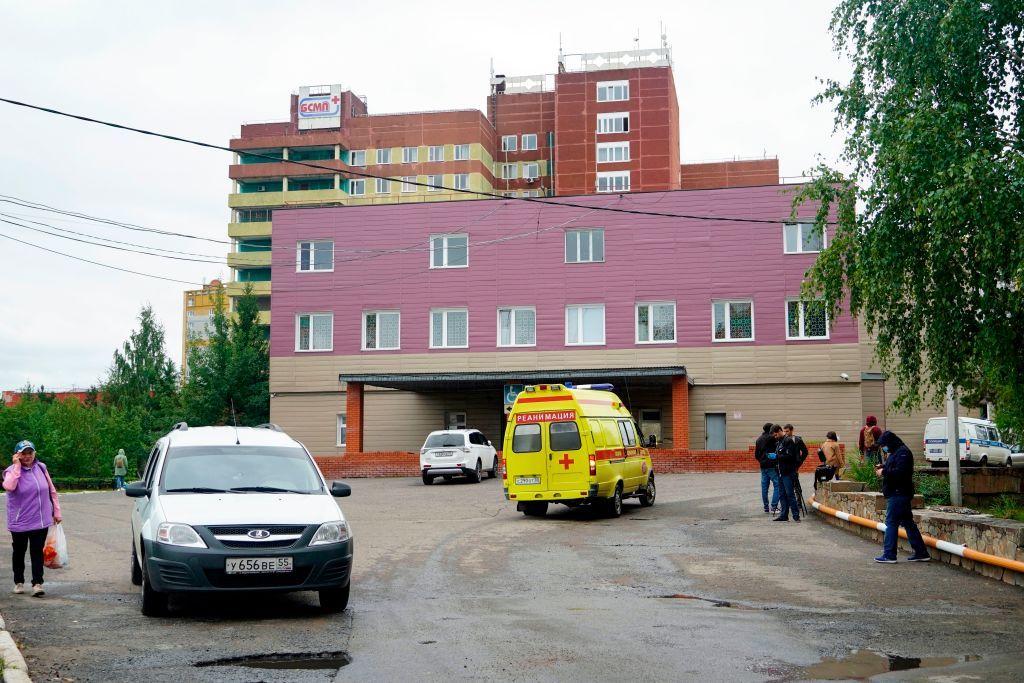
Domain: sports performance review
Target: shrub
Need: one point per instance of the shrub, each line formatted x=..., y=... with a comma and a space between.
x=934, y=488
x=1006, y=507
x=859, y=470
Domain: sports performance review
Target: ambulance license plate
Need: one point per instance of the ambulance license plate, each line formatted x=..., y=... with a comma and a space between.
x=522, y=481
x=257, y=565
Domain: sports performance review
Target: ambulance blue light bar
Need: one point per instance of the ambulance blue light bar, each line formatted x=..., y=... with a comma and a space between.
x=598, y=387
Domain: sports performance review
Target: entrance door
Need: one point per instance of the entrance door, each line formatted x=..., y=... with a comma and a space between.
x=714, y=431
x=650, y=424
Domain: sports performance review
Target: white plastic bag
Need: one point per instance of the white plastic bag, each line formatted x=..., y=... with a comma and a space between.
x=55, y=552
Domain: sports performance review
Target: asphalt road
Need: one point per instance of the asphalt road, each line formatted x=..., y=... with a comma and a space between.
x=450, y=583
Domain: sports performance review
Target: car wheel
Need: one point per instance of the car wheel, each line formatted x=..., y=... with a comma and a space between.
x=493, y=472
x=535, y=509
x=154, y=603
x=647, y=497
x=477, y=474
x=613, y=507
x=428, y=479
x=334, y=599
x=136, y=569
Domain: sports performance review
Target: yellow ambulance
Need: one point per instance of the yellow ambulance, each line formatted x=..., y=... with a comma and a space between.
x=574, y=446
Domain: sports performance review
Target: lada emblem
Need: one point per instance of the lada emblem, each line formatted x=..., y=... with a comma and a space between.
x=258, y=534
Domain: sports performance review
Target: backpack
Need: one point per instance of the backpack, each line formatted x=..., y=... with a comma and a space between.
x=869, y=439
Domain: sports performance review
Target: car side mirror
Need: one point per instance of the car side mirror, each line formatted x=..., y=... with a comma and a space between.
x=136, y=489
x=340, y=490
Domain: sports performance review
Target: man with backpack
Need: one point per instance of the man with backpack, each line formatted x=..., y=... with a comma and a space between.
x=867, y=441
x=791, y=453
x=763, y=448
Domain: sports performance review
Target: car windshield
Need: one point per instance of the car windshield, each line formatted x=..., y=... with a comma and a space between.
x=444, y=440
x=239, y=469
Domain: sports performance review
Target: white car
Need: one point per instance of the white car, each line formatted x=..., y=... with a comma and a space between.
x=237, y=509
x=457, y=452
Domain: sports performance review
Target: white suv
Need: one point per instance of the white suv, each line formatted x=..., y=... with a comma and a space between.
x=237, y=509
x=455, y=452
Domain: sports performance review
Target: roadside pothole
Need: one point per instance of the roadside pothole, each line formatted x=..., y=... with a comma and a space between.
x=863, y=664
x=714, y=602
x=285, y=660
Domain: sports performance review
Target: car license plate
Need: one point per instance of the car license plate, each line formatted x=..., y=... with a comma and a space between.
x=257, y=565
x=443, y=454
x=521, y=481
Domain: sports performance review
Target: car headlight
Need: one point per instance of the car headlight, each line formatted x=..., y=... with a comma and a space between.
x=179, y=534
x=331, y=532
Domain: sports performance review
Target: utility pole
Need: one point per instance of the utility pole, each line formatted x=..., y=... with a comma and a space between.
x=953, y=444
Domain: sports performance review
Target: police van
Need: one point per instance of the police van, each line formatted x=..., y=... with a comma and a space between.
x=980, y=443
x=574, y=446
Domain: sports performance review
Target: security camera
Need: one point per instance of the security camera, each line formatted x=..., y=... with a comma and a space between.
x=843, y=376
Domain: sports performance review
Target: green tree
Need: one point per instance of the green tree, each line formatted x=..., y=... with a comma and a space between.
x=929, y=246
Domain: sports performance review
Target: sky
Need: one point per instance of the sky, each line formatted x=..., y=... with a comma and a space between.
x=746, y=72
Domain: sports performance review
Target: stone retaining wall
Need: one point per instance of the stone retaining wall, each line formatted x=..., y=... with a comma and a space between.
x=1000, y=537
x=982, y=486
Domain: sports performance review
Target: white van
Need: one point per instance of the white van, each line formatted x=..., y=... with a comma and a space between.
x=980, y=443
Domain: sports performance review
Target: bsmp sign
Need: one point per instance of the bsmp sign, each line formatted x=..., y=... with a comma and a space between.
x=319, y=106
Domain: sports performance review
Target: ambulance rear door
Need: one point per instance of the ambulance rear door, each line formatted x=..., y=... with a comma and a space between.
x=568, y=461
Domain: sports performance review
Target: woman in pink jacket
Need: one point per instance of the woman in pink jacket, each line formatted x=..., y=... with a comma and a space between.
x=32, y=507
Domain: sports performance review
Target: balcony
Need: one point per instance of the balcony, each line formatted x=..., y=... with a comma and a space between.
x=249, y=259
x=235, y=289
x=256, y=229
x=300, y=198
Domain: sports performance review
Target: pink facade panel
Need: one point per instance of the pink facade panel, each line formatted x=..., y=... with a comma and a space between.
x=517, y=258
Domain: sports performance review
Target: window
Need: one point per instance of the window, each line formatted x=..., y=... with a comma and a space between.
x=253, y=215
x=449, y=251
x=383, y=156
x=508, y=143
x=410, y=155
x=357, y=157
x=310, y=256
x=382, y=185
x=627, y=433
x=564, y=436
x=526, y=438
x=584, y=246
x=314, y=331
x=408, y=183
x=531, y=171
x=529, y=142
x=357, y=187
x=584, y=324
x=655, y=323
x=531, y=193
x=612, y=91
x=461, y=152
x=435, y=153
x=435, y=182
x=517, y=326
x=613, y=181
x=449, y=328
x=461, y=181
x=802, y=238
x=509, y=171
x=381, y=330
x=342, y=429
x=733, y=320
x=609, y=152
x=613, y=123
x=806, y=320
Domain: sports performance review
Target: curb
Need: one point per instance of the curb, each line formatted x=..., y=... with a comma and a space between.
x=15, y=669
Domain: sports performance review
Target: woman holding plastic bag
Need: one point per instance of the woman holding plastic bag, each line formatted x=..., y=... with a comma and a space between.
x=32, y=508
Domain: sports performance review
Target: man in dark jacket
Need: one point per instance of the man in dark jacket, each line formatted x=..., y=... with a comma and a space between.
x=763, y=447
x=897, y=472
x=788, y=455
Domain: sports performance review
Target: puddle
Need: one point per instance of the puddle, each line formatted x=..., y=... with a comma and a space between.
x=714, y=602
x=862, y=664
x=283, y=660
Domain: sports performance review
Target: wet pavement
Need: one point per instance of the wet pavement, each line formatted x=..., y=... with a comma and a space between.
x=450, y=583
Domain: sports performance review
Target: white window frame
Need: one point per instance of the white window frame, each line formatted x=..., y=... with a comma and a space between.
x=460, y=181
x=342, y=424
x=376, y=341
x=513, y=310
x=509, y=143
x=408, y=183
x=446, y=237
x=445, y=312
x=611, y=148
x=384, y=155
x=509, y=171
x=606, y=123
x=410, y=155
x=529, y=142
x=800, y=229
x=579, y=326
x=355, y=154
x=613, y=91
x=310, y=246
x=803, y=320
x=527, y=167
x=531, y=193
x=612, y=186
x=435, y=153
x=382, y=183
x=728, y=329
x=436, y=183
x=357, y=187
x=650, y=322
x=590, y=236
x=298, y=317
x=462, y=152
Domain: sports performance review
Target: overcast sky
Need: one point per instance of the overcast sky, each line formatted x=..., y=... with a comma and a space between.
x=745, y=72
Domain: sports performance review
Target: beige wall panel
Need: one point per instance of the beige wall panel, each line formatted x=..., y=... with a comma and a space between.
x=311, y=418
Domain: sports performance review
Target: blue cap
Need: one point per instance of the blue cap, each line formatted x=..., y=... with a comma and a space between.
x=24, y=445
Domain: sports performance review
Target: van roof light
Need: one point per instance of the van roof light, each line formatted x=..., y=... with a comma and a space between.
x=600, y=387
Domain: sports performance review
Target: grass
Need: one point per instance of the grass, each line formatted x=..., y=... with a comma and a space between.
x=859, y=470
x=1006, y=507
x=934, y=489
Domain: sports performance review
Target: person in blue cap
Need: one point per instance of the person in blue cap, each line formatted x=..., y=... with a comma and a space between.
x=897, y=472
x=32, y=508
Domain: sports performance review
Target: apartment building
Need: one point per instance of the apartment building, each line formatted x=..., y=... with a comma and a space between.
x=197, y=318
